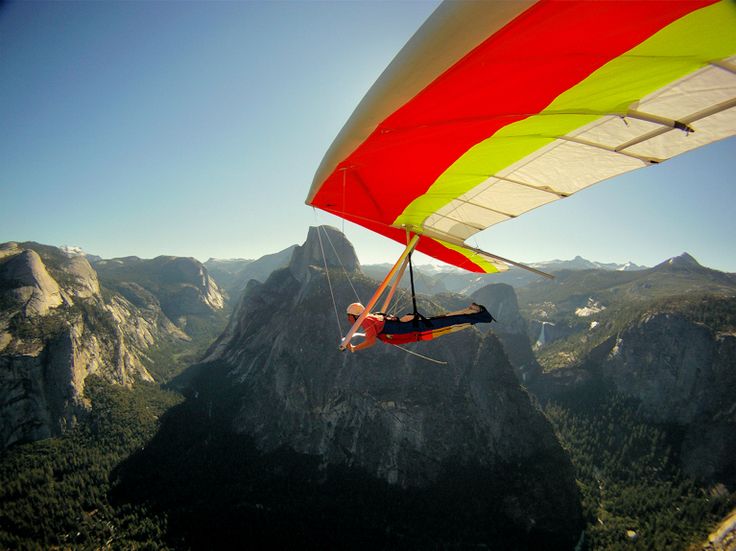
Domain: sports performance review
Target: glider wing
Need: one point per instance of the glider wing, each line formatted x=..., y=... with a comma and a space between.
x=496, y=108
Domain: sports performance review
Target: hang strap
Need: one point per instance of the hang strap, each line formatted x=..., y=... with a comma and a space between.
x=413, y=294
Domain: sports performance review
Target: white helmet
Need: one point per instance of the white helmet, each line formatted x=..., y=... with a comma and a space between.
x=355, y=309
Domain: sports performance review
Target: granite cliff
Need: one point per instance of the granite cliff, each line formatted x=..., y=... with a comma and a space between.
x=58, y=326
x=395, y=416
x=27, y=283
x=682, y=372
x=664, y=337
x=510, y=328
x=182, y=286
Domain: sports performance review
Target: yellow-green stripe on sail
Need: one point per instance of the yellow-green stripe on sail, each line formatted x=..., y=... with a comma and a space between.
x=674, y=52
x=472, y=256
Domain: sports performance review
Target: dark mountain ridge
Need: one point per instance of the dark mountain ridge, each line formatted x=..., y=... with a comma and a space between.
x=665, y=338
x=393, y=417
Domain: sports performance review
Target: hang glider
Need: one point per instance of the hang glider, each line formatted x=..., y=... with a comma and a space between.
x=496, y=108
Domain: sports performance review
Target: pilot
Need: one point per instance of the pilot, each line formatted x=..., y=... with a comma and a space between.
x=372, y=325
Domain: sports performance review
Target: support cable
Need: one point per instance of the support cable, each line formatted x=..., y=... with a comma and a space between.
x=418, y=355
x=341, y=264
x=329, y=283
x=413, y=294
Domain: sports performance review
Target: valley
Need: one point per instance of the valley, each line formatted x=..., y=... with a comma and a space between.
x=235, y=416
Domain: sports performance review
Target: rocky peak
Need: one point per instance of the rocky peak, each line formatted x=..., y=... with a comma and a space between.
x=400, y=418
x=84, y=282
x=8, y=249
x=29, y=282
x=510, y=327
x=338, y=252
x=501, y=301
x=582, y=263
x=190, y=271
x=684, y=261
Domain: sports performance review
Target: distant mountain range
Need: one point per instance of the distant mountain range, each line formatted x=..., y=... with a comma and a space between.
x=571, y=290
x=432, y=279
x=580, y=263
x=233, y=275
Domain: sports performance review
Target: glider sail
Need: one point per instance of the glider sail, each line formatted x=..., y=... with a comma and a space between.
x=496, y=108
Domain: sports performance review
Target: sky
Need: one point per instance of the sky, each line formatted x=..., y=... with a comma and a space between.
x=195, y=129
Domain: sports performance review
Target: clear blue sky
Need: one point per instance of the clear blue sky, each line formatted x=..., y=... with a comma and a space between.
x=194, y=129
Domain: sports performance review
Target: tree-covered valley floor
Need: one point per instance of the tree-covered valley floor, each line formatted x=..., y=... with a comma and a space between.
x=149, y=469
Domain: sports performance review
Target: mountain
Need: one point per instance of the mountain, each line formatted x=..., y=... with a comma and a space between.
x=226, y=272
x=283, y=441
x=663, y=337
x=393, y=416
x=431, y=279
x=182, y=286
x=233, y=276
x=427, y=279
x=573, y=296
x=681, y=372
x=58, y=327
x=674, y=359
x=510, y=328
x=183, y=290
x=580, y=263
x=63, y=320
x=71, y=250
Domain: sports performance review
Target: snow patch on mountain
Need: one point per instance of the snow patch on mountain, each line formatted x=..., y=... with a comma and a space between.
x=72, y=250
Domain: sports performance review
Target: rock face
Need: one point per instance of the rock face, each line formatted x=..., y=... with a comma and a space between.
x=32, y=286
x=56, y=330
x=664, y=337
x=683, y=373
x=182, y=286
x=338, y=252
x=399, y=417
x=511, y=328
x=545, y=332
x=233, y=275
x=83, y=282
x=666, y=378
x=195, y=292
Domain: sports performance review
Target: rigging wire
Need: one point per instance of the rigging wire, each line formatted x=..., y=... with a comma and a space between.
x=398, y=303
x=329, y=283
x=413, y=294
x=418, y=355
x=347, y=276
